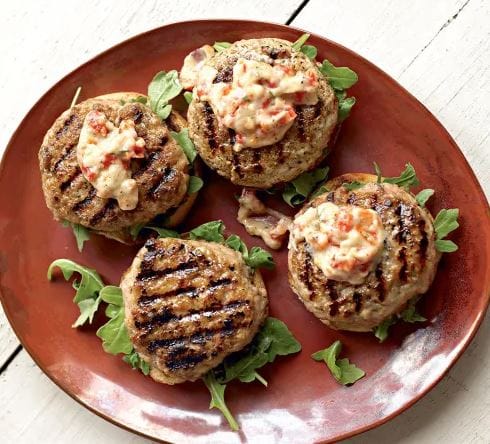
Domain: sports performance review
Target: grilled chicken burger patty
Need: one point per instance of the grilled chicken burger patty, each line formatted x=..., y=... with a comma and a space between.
x=289, y=107
x=373, y=251
x=160, y=173
x=189, y=304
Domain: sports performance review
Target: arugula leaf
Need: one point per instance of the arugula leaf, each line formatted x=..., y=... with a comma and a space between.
x=309, y=51
x=114, y=335
x=351, y=186
x=210, y=231
x=259, y=258
x=164, y=232
x=381, y=331
x=81, y=233
x=135, y=361
x=339, y=77
x=217, y=392
x=234, y=241
x=139, y=99
x=273, y=339
x=445, y=222
x=256, y=258
x=406, y=179
x=87, y=289
x=423, y=196
x=220, y=46
x=410, y=314
x=300, y=188
x=445, y=246
x=185, y=142
x=195, y=184
x=345, y=106
x=163, y=88
x=320, y=190
x=342, y=370
x=188, y=96
x=300, y=42
x=134, y=231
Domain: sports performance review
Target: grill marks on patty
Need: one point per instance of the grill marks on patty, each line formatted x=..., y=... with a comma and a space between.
x=160, y=175
x=188, y=304
x=404, y=254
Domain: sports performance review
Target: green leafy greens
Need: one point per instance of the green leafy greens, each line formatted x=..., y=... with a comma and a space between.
x=423, y=196
x=339, y=78
x=90, y=291
x=213, y=232
x=195, y=184
x=297, y=45
x=297, y=191
x=445, y=222
x=342, y=370
x=273, y=339
x=210, y=231
x=410, y=315
x=405, y=180
x=220, y=46
x=217, y=392
x=188, y=96
x=255, y=258
x=87, y=295
x=185, y=142
x=115, y=338
x=81, y=233
x=163, y=88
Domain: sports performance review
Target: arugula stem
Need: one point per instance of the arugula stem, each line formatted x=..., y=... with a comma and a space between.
x=260, y=379
x=75, y=97
x=218, y=400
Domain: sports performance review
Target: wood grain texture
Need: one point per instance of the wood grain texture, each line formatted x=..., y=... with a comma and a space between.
x=439, y=51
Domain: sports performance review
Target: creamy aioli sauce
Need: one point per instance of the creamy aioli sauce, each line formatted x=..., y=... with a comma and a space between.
x=259, y=103
x=193, y=63
x=104, y=153
x=345, y=241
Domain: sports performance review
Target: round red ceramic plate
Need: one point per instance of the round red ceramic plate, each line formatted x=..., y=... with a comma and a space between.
x=303, y=403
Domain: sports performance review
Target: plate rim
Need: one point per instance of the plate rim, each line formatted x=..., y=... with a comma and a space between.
x=464, y=343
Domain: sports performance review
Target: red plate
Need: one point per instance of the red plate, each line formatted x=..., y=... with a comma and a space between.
x=303, y=403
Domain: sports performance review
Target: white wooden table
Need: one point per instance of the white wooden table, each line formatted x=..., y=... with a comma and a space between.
x=438, y=50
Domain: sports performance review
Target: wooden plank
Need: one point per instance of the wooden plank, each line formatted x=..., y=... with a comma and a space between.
x=35, y=410
x=8, y=340
x=43, y=41
x=441, y=53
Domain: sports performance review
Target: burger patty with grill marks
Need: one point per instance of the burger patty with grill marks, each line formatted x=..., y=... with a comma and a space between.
x=302, y=148
x=189, y=304
x=405, y=268
x=162, y=176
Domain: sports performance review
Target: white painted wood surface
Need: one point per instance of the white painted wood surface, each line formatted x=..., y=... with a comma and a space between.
x=439, y=50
